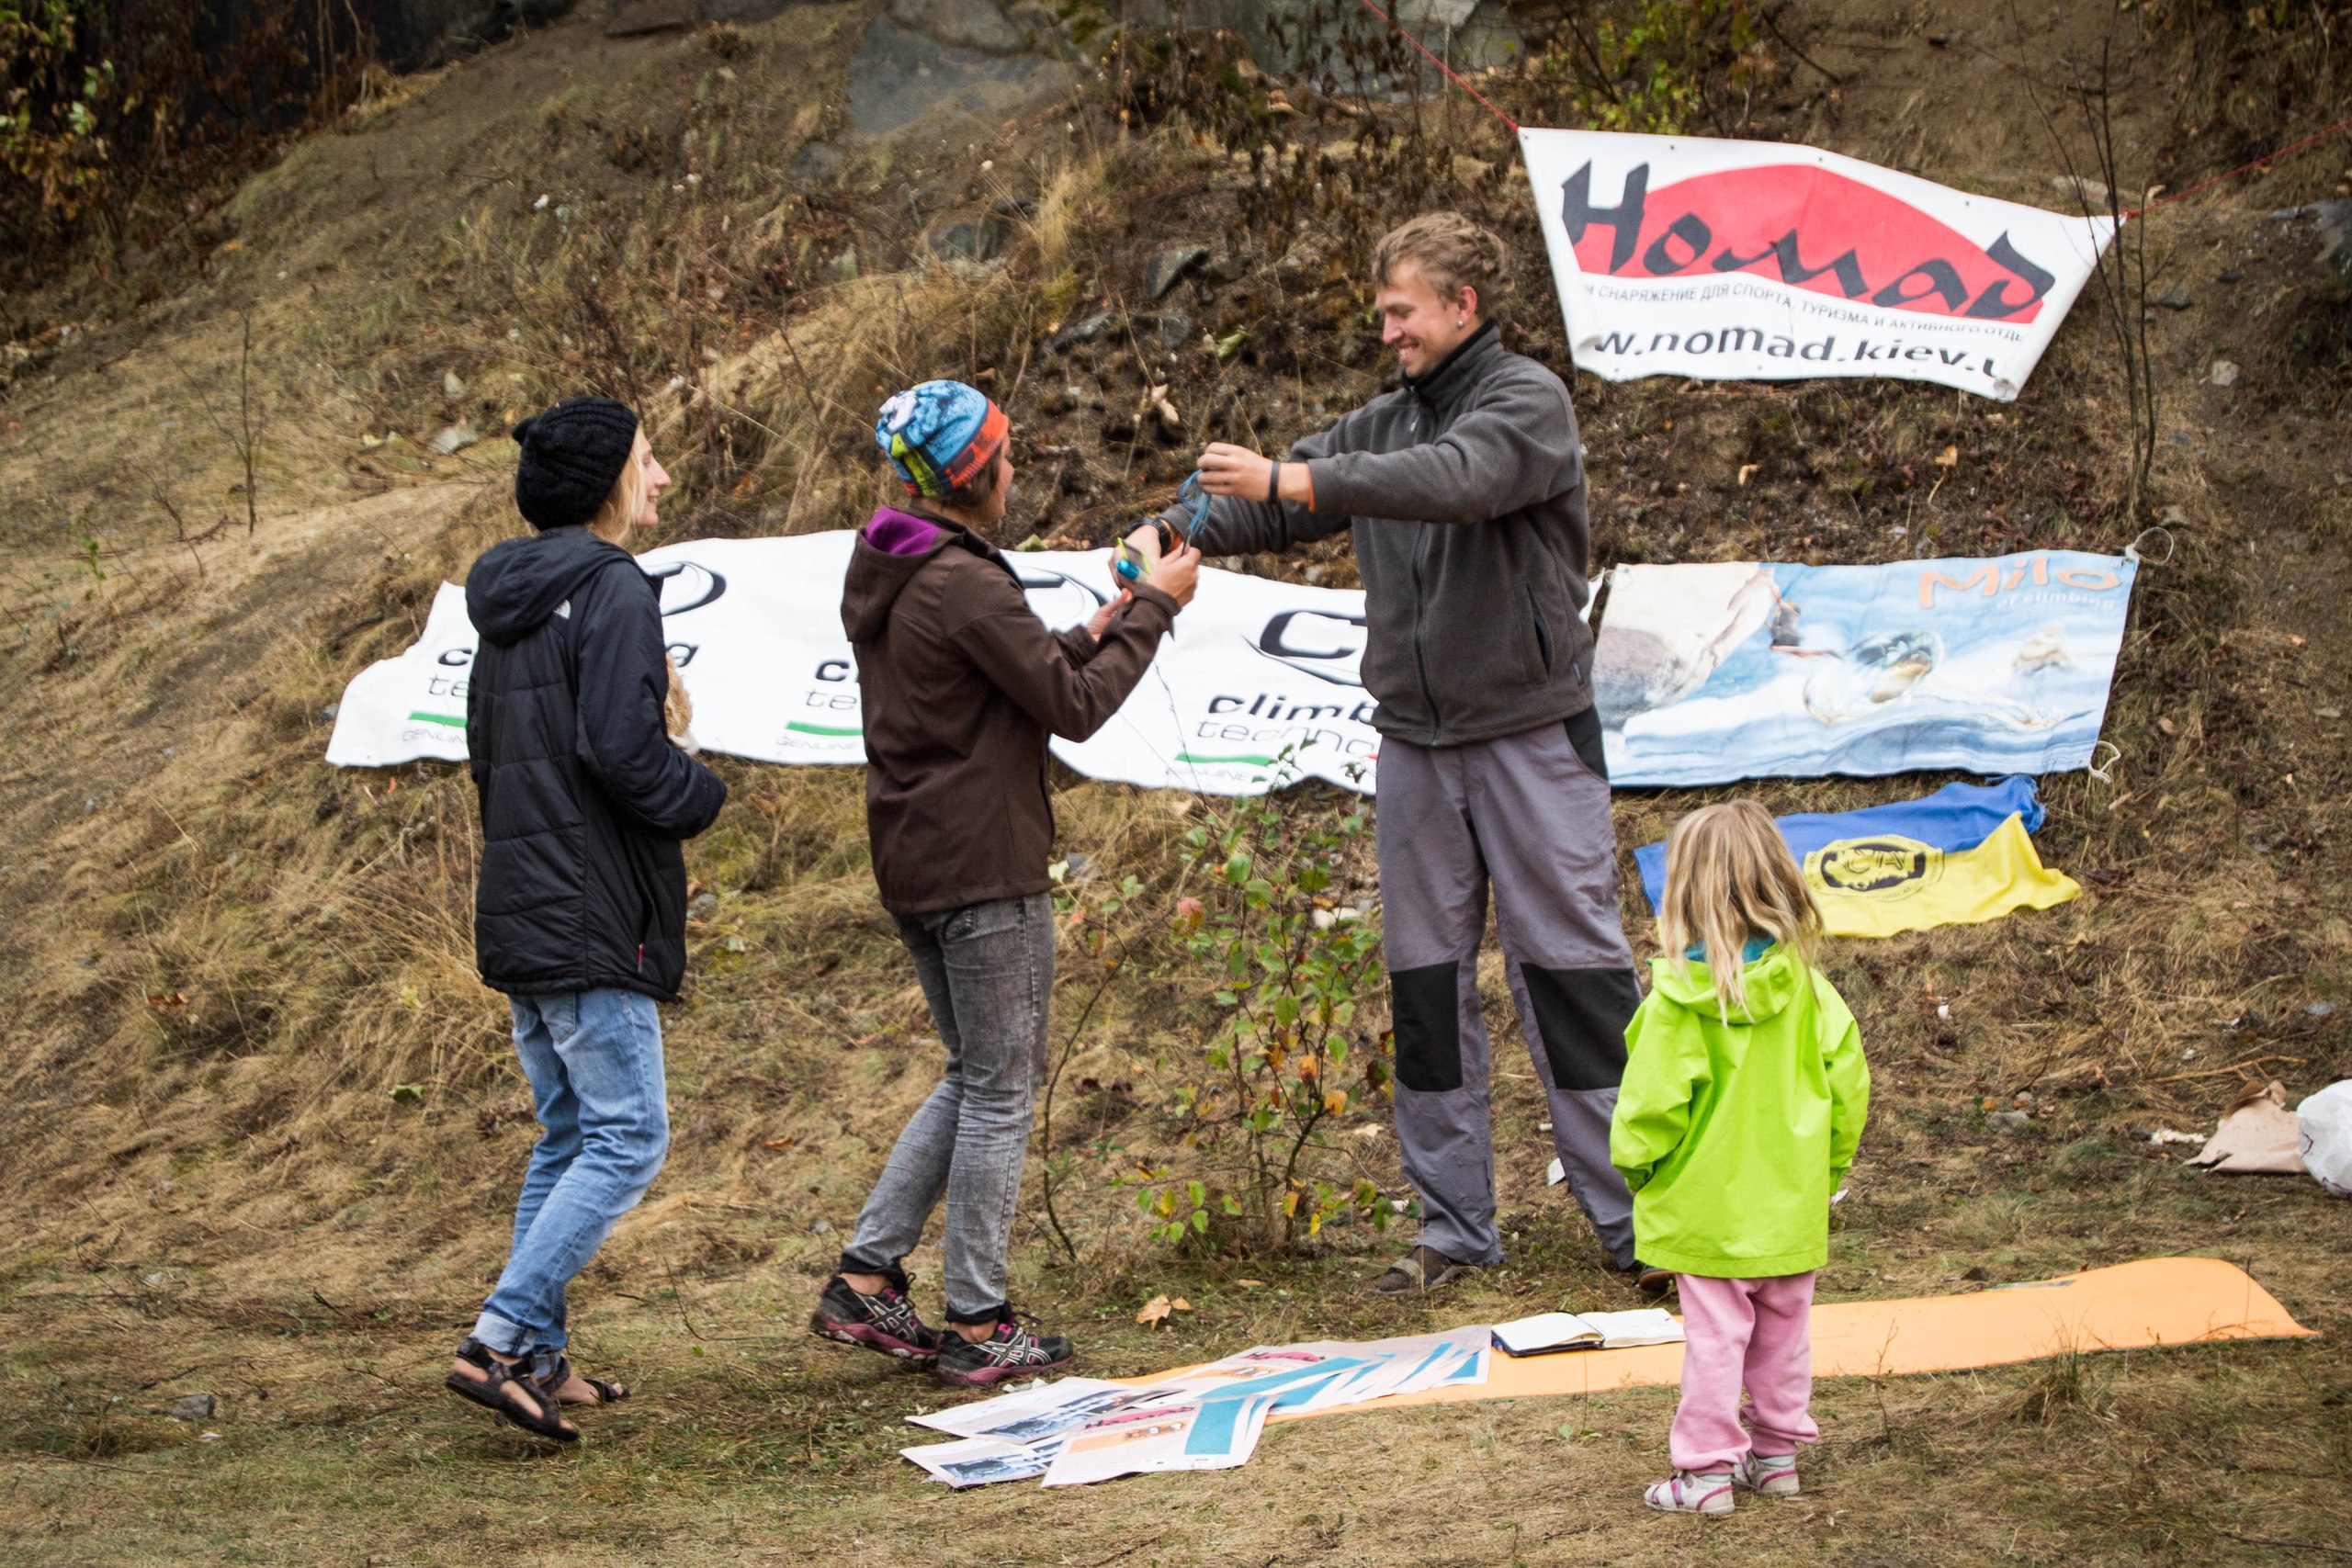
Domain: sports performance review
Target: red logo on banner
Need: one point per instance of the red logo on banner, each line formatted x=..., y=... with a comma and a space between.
x=1804, y=225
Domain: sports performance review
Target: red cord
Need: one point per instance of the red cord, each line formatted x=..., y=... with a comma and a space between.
x=2263, y=161
x=1441, y=65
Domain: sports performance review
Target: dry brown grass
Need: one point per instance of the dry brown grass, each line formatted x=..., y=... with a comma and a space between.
x=228, y=961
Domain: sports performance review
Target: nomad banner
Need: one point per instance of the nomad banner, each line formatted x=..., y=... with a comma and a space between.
x=1767, y=261
x=1741, y=670
x=1255, y=668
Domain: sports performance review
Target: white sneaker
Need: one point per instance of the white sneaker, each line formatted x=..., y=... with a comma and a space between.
x=1767, y=1475
x=1683, y=1493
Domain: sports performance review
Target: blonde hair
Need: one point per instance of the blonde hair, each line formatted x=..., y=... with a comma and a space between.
x=1450, y=253
x=677, y=707
x=625, y=503
x=1729, y=876
x=622, y=507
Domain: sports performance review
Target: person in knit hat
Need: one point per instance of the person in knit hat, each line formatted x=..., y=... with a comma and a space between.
x=579, y=911
x=573, y=455
x=961, y=686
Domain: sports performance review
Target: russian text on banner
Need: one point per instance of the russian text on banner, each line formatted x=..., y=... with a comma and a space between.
x=1736, y=669
x=1766, y=261
x=1957, y=857
x=1256, y=668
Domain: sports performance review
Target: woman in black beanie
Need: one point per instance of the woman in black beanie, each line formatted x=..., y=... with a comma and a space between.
x=579, y=912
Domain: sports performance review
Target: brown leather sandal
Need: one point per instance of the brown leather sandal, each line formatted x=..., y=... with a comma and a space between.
x=492, y=1393
x=606, y=1393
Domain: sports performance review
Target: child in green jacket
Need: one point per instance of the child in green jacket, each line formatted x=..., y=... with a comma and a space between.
x=1743, y=1100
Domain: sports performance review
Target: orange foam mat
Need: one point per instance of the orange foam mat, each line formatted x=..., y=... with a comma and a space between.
x=2131, y=1306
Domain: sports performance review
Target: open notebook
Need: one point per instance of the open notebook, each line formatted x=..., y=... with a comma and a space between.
x=1550, y=1331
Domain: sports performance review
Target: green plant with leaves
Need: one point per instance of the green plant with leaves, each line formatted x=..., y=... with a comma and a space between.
x=52, y=100
x=1289, y=966
x=1660, y=66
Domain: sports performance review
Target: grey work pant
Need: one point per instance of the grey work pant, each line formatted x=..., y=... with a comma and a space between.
x=1528, y=815
x=988, y=972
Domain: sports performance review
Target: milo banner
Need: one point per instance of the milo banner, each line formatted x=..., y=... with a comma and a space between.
x=1255, y=668
x=1765, y=261
x=1739, y=669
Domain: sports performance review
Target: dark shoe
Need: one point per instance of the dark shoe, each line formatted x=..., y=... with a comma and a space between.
x=1011, y=1352
x=1648, y=1279
x=505, y=1388
x=599, y=1391
x=886, y=1322
x=1423, y=1269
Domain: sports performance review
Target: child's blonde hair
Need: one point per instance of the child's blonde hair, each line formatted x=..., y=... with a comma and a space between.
x=1729, y=875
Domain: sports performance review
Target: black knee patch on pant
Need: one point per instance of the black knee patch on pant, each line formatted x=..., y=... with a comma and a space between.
x=1584, y=735
x=1427, y=1004
x=1581, y=1014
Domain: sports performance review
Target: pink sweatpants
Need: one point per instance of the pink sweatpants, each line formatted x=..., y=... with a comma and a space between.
x=1751, y=1334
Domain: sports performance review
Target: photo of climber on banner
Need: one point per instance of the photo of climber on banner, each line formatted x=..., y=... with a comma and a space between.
x=1764, y=261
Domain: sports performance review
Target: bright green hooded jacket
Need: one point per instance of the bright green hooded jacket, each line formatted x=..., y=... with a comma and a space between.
x=1733, y=1134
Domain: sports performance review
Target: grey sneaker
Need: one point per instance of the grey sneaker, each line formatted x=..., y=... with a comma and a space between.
x=1767, y=1475
x=1011, y=1352
x=886, y=1322
x=1683, y=1493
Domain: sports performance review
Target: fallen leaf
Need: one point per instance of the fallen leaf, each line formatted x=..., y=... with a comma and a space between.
x=1746, y=469
x=1155, y=1311
x=1947, y=459
x=1249, y=1284
x=778, y=1144
x=2167, y=726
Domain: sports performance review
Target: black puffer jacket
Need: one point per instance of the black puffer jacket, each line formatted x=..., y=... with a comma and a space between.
x=583, y=799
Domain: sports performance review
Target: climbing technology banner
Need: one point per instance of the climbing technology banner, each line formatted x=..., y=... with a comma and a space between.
x=1767, y=261
x=1957, y=857
x=1739, y=669
x=1255, y=669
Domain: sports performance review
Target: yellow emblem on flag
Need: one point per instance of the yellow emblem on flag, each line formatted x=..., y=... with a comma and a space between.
x=1886, y=883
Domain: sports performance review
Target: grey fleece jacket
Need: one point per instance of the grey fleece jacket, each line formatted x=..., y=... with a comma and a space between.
x=1466, y=490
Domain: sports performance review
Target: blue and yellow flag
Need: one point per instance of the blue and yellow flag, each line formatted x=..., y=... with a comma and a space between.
x=1960, y=856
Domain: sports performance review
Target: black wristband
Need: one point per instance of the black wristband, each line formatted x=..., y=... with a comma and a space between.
x=1274, y=484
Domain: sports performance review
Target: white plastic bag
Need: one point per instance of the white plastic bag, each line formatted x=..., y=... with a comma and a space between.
x=2326, y=1119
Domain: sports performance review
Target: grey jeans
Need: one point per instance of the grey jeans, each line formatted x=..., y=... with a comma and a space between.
x=988, y=972
x=1529, y=815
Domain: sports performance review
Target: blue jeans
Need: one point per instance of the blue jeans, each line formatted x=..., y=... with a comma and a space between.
x=594, y=1062
x=988, y=972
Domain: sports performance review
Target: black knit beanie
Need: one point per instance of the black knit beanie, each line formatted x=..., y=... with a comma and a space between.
x=573, y=455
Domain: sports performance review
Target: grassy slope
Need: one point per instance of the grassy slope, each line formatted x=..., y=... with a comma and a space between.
x=231, y=953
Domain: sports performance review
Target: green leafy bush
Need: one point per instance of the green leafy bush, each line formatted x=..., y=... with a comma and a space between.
x=1288, y=967
x=51, y=98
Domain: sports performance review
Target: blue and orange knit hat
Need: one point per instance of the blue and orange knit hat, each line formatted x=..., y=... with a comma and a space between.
x=940, y=436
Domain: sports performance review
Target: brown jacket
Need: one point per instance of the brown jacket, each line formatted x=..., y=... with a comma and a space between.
x=961, y=684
